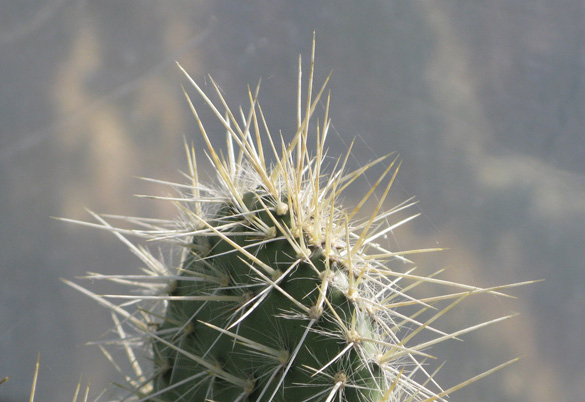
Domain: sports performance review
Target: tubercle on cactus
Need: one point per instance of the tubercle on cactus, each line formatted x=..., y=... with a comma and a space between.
x=281, y=294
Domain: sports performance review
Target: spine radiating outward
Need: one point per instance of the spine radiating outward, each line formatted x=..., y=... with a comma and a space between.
x=281, y=294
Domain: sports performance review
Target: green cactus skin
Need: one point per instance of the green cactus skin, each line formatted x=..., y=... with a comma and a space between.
x=261, y=315
x=281, y=294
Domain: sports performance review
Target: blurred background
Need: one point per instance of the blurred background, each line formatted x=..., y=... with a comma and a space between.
x=484, y=102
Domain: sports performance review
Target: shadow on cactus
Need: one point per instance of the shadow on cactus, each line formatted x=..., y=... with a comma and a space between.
x=282, y=294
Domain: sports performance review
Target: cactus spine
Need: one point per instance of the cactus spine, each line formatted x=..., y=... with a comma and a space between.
x=281, y=293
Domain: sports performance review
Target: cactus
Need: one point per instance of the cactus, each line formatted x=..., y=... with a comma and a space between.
x=282, y=294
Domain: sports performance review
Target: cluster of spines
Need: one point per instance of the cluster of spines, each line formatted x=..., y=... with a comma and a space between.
x=355, y=299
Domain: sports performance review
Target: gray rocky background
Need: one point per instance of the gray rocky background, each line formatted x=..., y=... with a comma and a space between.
x=483, y=100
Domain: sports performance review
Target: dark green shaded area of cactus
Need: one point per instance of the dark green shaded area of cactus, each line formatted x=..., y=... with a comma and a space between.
x=220, y=270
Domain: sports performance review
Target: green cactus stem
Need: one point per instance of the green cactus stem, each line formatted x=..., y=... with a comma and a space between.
x=267, y=314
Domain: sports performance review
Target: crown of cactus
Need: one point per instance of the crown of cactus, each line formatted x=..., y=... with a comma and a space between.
x=281, y=294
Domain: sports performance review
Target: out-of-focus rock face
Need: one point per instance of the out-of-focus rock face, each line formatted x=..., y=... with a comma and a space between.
x=483, y=102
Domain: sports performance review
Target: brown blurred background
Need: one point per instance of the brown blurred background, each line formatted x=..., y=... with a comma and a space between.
x=484, y=101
